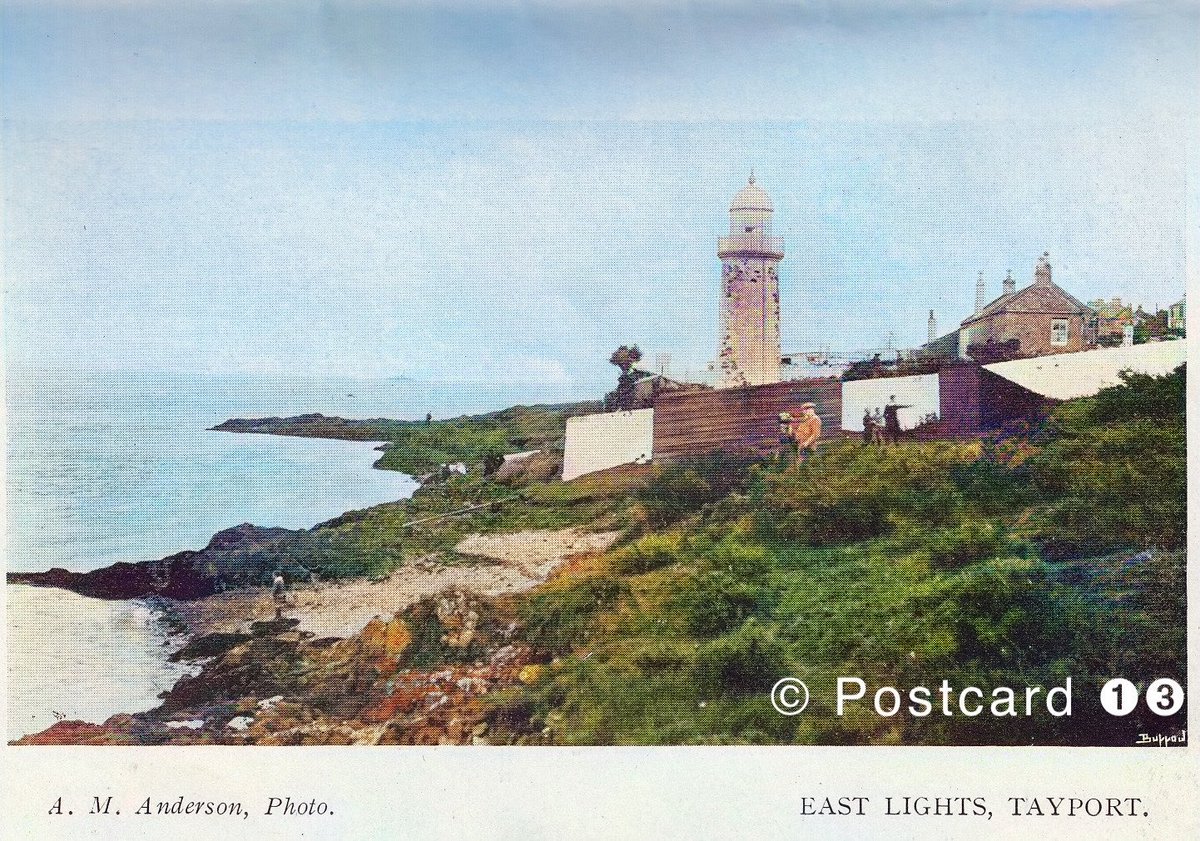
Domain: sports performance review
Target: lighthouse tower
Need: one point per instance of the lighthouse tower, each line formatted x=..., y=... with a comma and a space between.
x=749, y=349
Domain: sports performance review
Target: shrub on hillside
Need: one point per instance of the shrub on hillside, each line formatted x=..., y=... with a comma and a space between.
x=651, y=552
x=736, y=556
x=850, y=493
x=1112, y=484
x=994, y=486
x=718, y=603
x=749, y=660
x=973, y=540
x=685, y=486
x=1142, y=397
x=560, y=617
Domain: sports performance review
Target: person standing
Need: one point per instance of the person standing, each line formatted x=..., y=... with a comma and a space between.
x=891, y=420
x=877, y=427
x=806, y=430
x=279, y=593
x=787, y=442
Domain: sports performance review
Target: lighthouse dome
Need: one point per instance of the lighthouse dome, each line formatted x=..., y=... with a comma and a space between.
x=752, y=197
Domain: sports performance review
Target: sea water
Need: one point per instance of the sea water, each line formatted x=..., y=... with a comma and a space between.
x=75, y=658
x=118, y=466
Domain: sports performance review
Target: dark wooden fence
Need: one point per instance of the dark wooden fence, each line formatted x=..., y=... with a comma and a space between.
x=739, y=420
x=746, y=420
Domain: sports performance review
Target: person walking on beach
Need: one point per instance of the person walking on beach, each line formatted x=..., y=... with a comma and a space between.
x=279, y=593
x=805, y=431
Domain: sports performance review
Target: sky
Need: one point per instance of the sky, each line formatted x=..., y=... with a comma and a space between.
x=463, y=192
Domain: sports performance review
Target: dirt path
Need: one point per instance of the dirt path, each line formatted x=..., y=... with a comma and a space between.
x=511, y=563
x=535, y=553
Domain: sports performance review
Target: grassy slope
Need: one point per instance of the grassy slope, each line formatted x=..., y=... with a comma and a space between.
x=377, y=540
x=418, y=447
x=1003, y=562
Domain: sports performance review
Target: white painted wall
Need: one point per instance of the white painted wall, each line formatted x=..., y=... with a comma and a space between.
x=919, y=392
x=515, y=457
x=598, y=442
x=1065, y=376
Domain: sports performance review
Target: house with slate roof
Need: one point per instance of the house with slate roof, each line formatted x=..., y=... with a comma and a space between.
x=1039, y=320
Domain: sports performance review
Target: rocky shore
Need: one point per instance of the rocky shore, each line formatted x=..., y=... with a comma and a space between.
x=317, y=425
x=401, y=623
x=420, y=657
x=242, y=556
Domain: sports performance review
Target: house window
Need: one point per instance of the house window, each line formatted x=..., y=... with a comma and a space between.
x=1058, y=331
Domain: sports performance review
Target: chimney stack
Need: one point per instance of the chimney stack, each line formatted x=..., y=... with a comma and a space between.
x=1041, y=275
x=932, y=327
x=1010, y=285
x=980, y=295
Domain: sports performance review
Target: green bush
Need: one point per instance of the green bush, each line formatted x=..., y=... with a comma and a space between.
x=740, y=559
x=853, y=493
x=684, y=487
x=1141, y=397
x=651, y=552
x=561, y=617
x=749, y=660
x=718, y=603
x=988, y=486
x=974, y=540
x=1113, y=469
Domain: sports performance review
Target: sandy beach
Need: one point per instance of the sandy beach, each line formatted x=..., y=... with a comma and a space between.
x=507, y=563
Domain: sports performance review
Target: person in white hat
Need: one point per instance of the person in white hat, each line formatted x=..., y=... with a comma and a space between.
x=806, y=430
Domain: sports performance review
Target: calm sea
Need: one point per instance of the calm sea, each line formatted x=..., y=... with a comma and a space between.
x=110, y=467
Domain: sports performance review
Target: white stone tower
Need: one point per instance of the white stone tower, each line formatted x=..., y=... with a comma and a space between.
x=749, y=350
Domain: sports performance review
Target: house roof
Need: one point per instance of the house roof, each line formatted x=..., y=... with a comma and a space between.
x=946, y=345
x=1037, y=298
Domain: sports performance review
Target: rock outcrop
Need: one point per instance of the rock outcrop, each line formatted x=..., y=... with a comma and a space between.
x=317, y=425
x=420, y=677
x=244, y=555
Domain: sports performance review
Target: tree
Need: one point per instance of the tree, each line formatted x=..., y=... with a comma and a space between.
x=624, y=357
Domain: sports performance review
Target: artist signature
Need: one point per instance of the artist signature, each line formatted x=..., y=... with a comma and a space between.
x=1161, y=740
